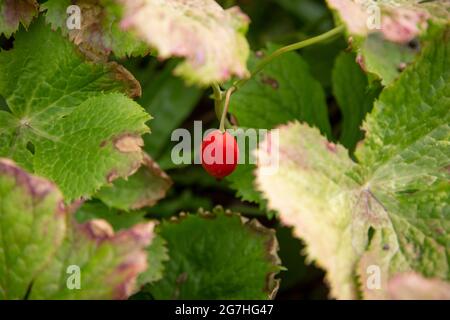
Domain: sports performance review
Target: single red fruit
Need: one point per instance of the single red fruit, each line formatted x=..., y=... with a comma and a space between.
x=220, y=154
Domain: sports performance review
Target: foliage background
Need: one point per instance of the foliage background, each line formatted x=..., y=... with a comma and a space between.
x=327, y=88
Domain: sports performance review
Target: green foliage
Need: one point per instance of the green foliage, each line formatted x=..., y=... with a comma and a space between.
x=90, y=197
x=283, y=92
x=74, y=113
x=399, y=188
x=217, y=255
x=355, y=98
x=143, y=189
x=170, y=101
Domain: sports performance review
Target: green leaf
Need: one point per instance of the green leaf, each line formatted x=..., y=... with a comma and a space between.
x=118, y=219
x=41, y=243
x=143, y=189
x=399, y=189
x=100, y=32
x=157, y=256
x=211, y=39
x=355, y=99
x=71, y=117
x=170, y=101
x=386, y=60
x=16, y=12
x=321, y=57
x=306, y=10
x=32, y=226
x=282, y=92
x=218, y=255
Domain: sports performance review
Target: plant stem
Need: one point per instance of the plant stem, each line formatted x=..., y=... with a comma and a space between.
x=221, y=106
x=225, y=109
x=292, y=47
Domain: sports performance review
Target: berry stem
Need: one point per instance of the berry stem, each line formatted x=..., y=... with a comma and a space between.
x=221, y=105
x=225, y=109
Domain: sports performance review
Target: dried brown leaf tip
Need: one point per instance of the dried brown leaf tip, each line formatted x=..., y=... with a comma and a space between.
x=133, y=87
x=128, y=143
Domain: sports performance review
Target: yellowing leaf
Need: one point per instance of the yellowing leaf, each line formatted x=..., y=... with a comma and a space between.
x=210, y=38
x=389, y=211
x=312, y=192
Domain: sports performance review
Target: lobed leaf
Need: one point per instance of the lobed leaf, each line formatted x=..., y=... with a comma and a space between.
x=398, y=192
x=386, y=60
x=312, y=192
x=67, y=116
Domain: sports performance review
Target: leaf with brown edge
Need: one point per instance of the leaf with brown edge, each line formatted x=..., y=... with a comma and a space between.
x=16, y=12
x=217, y=255
x=142, y=189
x=100, y=33
x=211, y=39
x=40, y=242
x=75, y=113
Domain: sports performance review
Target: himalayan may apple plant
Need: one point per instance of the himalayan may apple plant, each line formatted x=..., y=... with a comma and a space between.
x=87, y=186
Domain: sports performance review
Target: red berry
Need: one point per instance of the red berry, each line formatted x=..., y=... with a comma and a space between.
x=220, y=154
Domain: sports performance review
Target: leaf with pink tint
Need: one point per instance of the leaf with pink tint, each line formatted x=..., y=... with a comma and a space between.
x=413, y=286
x=16, y=12
x=398, y=21
x=45, y=254
x=211, y=39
